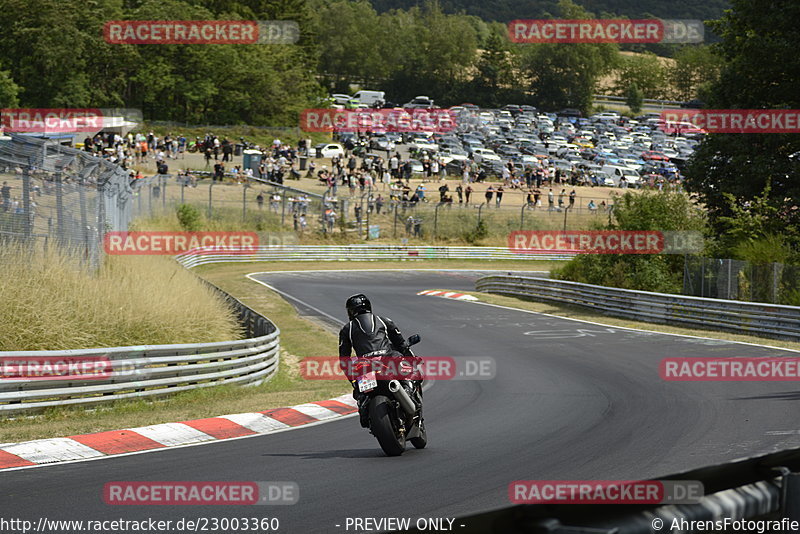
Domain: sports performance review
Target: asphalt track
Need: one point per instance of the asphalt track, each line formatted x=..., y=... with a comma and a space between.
x=571, y=400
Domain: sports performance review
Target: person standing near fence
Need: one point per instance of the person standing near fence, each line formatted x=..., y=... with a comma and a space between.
x=499, y=195
x=460, y=193
x=489, y=194
x=550, y=200
x=572, y=199
x=468, y=193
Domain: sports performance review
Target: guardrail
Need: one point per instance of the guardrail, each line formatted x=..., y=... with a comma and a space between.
x=360, y=253
x=763, y=487
x=648, y=102
x=147, y=370
x=768, y=320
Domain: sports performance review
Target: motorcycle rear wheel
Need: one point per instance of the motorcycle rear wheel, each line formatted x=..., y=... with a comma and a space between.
x=392, y=442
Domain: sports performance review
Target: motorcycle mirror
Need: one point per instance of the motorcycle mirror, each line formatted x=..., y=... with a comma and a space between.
x=413, y=340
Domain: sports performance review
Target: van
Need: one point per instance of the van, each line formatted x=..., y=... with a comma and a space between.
x=619, y=173
x=373, y=99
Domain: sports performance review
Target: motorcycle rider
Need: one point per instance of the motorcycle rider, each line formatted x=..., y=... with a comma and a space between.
x=370, y=335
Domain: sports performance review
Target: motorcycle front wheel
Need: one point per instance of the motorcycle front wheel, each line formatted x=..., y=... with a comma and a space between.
x=391, y=441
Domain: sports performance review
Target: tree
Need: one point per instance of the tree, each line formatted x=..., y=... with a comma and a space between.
x=8, y=90
x=645, y=71
x=634, y=98
x=695, y=68
x=495, y=77
x=565, y=75
x=350, y=44
x=433, y=52
x=761, y=70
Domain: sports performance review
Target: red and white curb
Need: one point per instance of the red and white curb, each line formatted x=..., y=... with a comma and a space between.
x=132, y=440
x=446, y=294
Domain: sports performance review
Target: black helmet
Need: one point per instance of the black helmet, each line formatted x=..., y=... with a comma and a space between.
x=357, y=304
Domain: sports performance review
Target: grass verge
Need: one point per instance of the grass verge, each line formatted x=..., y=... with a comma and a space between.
x=52, y=302
x=299, y=339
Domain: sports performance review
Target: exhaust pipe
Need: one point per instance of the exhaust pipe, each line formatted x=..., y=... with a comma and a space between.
x=402, y=397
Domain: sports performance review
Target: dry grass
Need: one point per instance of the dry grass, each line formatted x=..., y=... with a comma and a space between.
x=299, y=339
x=50, y=302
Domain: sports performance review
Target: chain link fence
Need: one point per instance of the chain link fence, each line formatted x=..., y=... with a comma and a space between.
x=51, y=194
x=225, y=203
x=775, y=283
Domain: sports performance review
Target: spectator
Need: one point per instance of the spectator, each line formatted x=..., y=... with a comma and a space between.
x=378, y=204
x=443, y=190
x=592, y=206
x=260, y=200
x=460, y=193
x=468, y=193
x=561, y=196
x=550, y=200
x=571, y=199
x=499, y=195
x=489, y=193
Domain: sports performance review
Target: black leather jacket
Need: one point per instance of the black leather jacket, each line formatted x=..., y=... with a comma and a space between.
x=371, y=335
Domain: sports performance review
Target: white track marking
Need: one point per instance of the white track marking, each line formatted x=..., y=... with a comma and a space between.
x=43, y=451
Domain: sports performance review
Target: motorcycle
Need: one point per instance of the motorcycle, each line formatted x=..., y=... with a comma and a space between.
x=394, y=405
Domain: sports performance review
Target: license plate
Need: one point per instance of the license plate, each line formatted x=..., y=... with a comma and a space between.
x=367, y=382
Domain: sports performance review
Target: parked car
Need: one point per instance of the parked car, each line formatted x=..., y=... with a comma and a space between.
x=419, y=102
x=329, y=150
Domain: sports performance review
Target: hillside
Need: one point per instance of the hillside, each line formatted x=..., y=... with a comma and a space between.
x=507, y=10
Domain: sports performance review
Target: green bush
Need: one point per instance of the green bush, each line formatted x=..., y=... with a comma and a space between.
x=657, y=211
x=189, y=218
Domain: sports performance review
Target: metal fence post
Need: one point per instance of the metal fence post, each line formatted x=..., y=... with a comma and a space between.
x=84, y=222
x=703, y=277
x=59, y=210
x=244, y=201
x=394, y=230
x=522, y=216
x=26, y=203
x=210, y=186
x=436, y=220
x=164, y=193
x=101, y=212
x=775, y=283
x=283, y=207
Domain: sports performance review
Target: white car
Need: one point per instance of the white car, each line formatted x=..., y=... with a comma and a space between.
x=448, y=156
x=421, y=144
x=485, y=154
x=330, y=150
x=341, y=99
x=619, y=173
